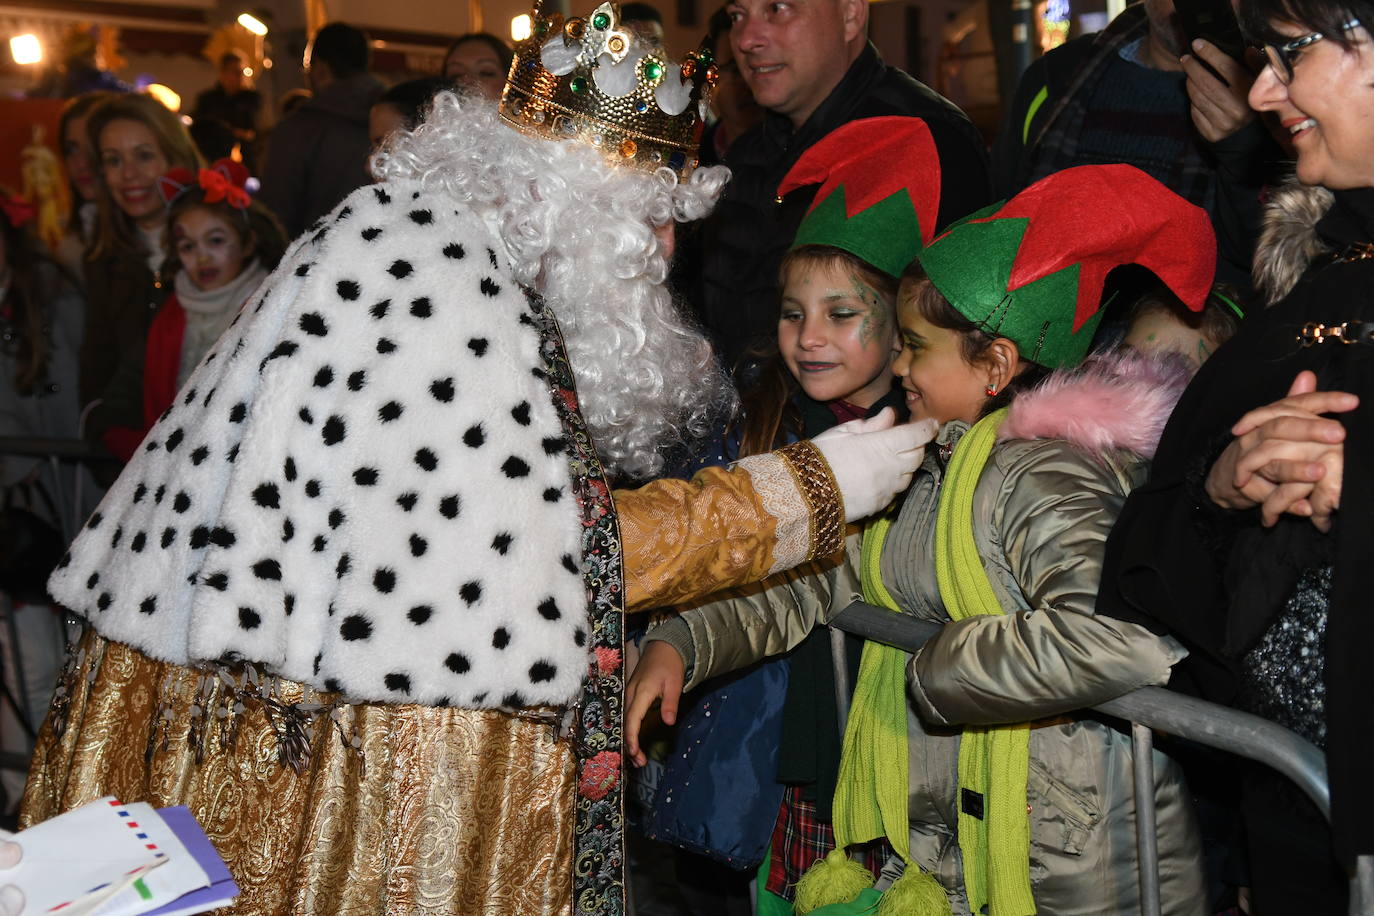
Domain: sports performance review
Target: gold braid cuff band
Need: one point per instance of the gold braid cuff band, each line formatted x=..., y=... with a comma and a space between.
x=817, y=484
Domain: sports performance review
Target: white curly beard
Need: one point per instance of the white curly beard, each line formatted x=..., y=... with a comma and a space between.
x=580, y=231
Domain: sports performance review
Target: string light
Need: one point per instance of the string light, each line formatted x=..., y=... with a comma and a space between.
x=26, y=49
x=252, y=23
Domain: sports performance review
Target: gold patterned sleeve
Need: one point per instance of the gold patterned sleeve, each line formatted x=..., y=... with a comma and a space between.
x=685, y=539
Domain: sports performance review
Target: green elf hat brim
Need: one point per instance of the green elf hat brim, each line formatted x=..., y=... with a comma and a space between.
x=1032, y=269
x=885, y=235
x=879, y=194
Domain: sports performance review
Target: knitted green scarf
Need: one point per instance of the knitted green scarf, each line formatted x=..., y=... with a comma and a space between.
x=871, y=800
x=994, y=760
x=871, y=796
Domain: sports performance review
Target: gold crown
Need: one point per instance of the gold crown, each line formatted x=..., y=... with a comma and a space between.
x=602, y=85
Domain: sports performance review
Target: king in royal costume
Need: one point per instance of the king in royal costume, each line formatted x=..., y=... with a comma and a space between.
x=357, y=600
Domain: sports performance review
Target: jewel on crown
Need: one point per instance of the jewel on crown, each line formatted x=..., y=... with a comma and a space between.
x=594, y=80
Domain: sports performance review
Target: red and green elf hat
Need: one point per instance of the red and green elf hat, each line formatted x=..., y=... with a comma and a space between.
x=1031, y=269
x=879, y=190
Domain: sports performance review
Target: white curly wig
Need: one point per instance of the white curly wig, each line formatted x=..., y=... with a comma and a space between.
x=581, y=232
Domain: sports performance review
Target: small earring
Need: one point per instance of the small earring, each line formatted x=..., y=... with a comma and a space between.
x=990, y=391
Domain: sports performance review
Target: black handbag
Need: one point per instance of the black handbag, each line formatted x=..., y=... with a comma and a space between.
x=30, y=545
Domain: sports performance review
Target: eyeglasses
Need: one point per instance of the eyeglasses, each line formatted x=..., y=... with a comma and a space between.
x=1281, y=56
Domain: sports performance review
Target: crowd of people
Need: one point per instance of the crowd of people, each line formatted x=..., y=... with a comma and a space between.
x=480, y=462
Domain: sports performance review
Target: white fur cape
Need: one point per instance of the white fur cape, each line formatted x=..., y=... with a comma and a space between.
x=364, y=486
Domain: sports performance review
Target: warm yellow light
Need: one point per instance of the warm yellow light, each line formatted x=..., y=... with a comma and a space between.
x=252, y=23
x=247, y=71
x=169, y=99
x=26, y=49
x=267, y=63
x=520, y=27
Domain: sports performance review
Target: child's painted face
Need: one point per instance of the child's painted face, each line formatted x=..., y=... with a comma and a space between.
x=1159, y=332
x=211, y=250
x=836, y=334
x=940, y=384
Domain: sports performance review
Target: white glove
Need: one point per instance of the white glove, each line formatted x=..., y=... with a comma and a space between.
x=872, y=460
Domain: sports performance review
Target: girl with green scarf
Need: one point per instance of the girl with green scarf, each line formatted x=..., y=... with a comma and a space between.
x=973, y=756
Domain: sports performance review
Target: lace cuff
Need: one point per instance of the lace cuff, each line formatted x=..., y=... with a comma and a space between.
x=796, y=487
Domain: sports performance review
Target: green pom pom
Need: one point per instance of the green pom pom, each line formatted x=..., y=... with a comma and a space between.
x=834, y=879
x=866, y=904
x=915, y=893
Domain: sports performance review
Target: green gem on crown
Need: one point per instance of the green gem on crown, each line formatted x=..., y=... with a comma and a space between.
x=705, y=56
x=578, y=84
x=653, y=71
x=600, y=21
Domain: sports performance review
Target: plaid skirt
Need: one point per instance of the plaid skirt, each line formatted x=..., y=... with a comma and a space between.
x=800, y=840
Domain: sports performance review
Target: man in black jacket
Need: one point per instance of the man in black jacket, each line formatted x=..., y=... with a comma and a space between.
x=809, y=63
x=318, y=156
x=1137, y=93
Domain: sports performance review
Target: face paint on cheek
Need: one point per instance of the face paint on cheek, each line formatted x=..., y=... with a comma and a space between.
x=875, y=320
x=873, y=324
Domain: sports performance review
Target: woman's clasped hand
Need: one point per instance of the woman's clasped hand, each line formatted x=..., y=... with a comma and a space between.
x=1287, y=457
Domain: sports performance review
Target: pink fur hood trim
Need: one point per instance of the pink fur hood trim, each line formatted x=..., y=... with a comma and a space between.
x=1118, y=400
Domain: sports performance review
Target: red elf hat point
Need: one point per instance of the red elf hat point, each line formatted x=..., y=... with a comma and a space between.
x=874, y=158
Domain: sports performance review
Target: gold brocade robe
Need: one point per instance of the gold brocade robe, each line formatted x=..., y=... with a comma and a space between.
x=396, y=809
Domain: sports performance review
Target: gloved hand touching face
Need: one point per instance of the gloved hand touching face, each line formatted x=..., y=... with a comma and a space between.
x=873, y=459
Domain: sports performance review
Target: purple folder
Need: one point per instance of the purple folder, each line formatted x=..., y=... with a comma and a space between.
x=222, y=889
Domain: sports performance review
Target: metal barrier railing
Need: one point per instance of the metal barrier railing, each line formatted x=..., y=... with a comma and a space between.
x=57, y=452
x=1151, y=708
x=67, y=502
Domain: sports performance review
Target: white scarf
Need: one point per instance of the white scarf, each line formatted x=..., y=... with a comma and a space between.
x=209, y=313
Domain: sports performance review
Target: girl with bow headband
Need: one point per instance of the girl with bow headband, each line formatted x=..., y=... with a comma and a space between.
x=220, y=246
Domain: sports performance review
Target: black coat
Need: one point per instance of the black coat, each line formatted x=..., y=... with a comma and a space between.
x=1217, y=579
x=122, y=296
x=318, y=155
x=729, y=270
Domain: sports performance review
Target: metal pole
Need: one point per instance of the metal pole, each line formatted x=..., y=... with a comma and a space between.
x=1362, y=887
x=61, y=505
x=839, y=660
x=1147, y=847
x=1022, y=34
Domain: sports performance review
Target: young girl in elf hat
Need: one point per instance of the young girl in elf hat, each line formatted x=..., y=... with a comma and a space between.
x=220, y=246
x=971, y=757
x=765, y=745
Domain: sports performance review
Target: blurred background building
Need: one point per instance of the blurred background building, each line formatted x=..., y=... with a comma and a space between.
x=970, y=50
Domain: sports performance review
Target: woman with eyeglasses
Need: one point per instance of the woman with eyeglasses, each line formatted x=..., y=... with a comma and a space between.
x=1254, y=540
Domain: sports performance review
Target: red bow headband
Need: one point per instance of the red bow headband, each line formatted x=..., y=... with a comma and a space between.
x=17, y=210
x=223, y=181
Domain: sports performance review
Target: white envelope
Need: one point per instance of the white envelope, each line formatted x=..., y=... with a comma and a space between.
x=74, y=862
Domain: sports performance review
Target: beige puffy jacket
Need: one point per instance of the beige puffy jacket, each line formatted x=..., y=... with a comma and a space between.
x=1042, y=512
